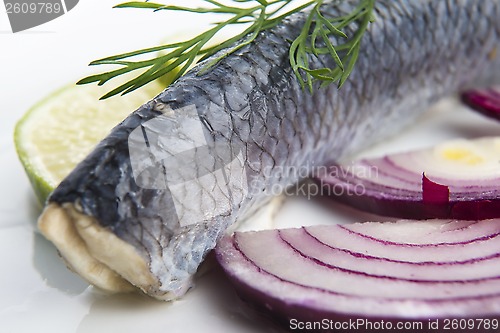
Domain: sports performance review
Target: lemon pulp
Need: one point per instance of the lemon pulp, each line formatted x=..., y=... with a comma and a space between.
x=59, y=131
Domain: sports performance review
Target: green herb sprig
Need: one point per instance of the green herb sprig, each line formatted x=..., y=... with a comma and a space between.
x=316, y=29
x=258, y=15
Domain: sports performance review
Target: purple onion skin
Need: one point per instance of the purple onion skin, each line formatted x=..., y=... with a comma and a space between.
x=282, y=313
x=415, y=209
x=434, y=193
x=482, y=102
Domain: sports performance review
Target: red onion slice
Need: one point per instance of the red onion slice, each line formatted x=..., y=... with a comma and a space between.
x=458, y=179
x=485, y=101
x=434, y=193
x=438, y=269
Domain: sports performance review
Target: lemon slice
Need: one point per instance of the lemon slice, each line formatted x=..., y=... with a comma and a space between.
x=59, y=131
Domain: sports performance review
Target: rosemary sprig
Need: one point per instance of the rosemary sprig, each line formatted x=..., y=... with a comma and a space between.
x=258, y=15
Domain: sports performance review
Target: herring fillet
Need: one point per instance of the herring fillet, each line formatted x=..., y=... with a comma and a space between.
x=216, y=146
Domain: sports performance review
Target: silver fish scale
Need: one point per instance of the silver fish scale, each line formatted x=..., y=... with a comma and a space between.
x=251, y=104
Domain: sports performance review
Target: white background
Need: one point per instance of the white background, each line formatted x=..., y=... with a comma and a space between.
x=37, y=292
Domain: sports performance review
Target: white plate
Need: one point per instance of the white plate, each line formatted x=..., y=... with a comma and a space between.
x=37, y=292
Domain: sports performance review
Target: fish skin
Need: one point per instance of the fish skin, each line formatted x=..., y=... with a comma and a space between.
x=413, y=54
